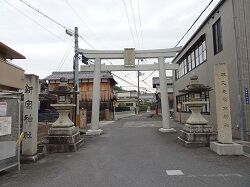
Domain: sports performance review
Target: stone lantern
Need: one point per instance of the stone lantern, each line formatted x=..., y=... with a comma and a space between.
x=196, y=132
x=63, y=135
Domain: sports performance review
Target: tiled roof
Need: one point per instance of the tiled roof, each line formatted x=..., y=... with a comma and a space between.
x=82, y=75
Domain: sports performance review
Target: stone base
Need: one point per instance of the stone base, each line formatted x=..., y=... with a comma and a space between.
x=196, y=135
x=67, y=131
x=226, y=149
x=25, y=159
x=94, y=132
x=58, y=142
x=166, y=130
x=62, y=139
x=61, y=148
x=197, y=128
x=192, y=144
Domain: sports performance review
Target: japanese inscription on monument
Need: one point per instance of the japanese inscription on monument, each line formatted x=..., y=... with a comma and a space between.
x=30, y=115
x=222, y=103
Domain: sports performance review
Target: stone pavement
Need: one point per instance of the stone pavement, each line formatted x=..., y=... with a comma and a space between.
x=132, y=152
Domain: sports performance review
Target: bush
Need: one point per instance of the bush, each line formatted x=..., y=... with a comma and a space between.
x=143, y=108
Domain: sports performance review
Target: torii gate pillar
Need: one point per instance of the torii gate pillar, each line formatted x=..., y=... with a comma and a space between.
x=164, y=97
x=95, y=129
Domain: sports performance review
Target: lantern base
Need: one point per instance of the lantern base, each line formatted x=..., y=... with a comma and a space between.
x=63, y=140
x=196, y=135
x=67, y=131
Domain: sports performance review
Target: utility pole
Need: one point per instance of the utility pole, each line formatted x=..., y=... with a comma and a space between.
x=76, y=78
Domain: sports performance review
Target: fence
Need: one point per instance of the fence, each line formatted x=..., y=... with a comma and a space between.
x=9, y=130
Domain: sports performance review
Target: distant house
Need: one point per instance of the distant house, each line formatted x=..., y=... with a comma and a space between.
x=11, y=76
x=127, y=99
x=86, y=88
x=170, y=88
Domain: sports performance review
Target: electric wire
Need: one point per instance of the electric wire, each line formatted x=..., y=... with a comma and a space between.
x=133, y=15
x=139, y=13
x=147, y=85
x=129, y=22
x=40, y=12
x=21, y=12
x=194, y=23
x=61, y=25
x=54, y=21
x=81, y=19
x=149, y=75
x=123, y=80
x=65, y=55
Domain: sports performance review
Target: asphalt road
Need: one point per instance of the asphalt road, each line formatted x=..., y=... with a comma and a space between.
x=132, y=153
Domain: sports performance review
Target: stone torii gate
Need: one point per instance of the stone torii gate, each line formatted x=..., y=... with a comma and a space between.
x=129, y=56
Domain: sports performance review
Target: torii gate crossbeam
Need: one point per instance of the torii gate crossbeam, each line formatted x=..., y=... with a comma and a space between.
x=160, y=54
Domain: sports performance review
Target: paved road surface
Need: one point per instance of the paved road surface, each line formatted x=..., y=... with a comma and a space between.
x=133, y=153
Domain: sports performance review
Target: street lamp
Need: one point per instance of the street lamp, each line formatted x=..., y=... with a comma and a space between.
x=76, y=72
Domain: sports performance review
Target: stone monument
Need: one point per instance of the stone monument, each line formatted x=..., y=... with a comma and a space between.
x=225, y=144
x=196, y=131
x=63, y=135
x=30, y=120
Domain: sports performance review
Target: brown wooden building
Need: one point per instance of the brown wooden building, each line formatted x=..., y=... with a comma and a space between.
x=11, y=76
x=86, y=88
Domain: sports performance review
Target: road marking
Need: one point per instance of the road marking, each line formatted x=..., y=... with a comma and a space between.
x=174, y=172
x=215, y=175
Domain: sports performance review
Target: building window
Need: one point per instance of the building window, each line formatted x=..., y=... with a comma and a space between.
x=204, y=51
x=195, y=56
x=181, y=107
x=217, y=37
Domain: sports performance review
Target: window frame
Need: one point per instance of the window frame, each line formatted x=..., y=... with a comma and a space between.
x=217, y=37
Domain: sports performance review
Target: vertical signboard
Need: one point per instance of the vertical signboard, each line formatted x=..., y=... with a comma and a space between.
x=222, y=103
x=30, y=115
x=246, y=96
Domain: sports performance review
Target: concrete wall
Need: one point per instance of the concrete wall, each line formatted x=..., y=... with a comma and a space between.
x=205, y=71
x=242, y=35
x=11, y=77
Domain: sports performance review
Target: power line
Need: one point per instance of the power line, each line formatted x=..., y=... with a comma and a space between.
x=86, y=42
x=65, y=55
x=194, y=23
x=149, y=75
x=54, y=21
x=40, y=12
x=124, y=80
x=81, y=19
x=129, y=22
x=131, y=5
x=139, y=12
x=34, y=21
x=147, y=84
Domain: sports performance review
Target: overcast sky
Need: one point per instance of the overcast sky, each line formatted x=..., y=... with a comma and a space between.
x=102, y=23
